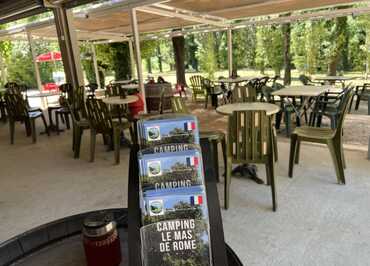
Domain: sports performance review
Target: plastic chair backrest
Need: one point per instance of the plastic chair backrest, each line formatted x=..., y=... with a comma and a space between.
x=99, y=116
x=178, y=105
x=16, y=106
x=245, y=93
x=248, y=136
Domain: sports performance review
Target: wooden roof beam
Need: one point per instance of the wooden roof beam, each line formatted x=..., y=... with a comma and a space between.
x=172, y=12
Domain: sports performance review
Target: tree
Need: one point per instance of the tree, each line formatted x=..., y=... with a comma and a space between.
x=287, y=55
x=269, y=48
x=179, y=51
x=206, y=55
x=191, y=47
x=338, y=40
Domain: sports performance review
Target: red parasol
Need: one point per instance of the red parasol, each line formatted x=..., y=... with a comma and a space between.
x=48, y=57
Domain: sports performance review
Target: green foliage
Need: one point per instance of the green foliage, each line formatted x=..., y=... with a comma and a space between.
x=20, y=64
x=269, y=51
x=87, y=62
x=206, y=55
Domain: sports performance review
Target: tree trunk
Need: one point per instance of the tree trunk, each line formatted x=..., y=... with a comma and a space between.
x=179, y=51
x=149, y=64
x=339, y=38
x=159, y=58
x=287, y=56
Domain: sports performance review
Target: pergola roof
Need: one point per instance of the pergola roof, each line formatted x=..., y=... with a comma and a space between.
x=110, y=21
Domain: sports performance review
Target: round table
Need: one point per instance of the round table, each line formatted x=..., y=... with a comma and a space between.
x=228, y=109
x=117, y=100
x=48, y=244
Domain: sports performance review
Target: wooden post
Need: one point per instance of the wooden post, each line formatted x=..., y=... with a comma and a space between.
x=230, y=51
x=37, y=71
x=139, y=68
x=96, y=70
x=132, y=59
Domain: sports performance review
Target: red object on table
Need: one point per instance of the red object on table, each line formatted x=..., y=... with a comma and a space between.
x=101, y=241
x=138, y=106
x=50, y=87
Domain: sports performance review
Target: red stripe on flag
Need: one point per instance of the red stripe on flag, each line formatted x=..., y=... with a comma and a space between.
x=196, y=161
x=200, y=200
x=193, y=125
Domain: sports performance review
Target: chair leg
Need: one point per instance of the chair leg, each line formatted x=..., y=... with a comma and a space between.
x=223, y=144
x=358, y=100
x=11, y=128
x=45, y=125
x=227, y=184
x=27, y=125
x=116, y=140
x=297, y=151
x=33, y=129
x=274, y=139
x=288, y=123
x=337, y=160
x=67, y=121
x=293, y=142
x=50, y=114
x=271, y=178
x=77, y=142
x=92, y=144
x=57, y=122
x=278, y=120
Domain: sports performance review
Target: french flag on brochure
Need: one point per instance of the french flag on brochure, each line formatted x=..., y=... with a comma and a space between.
x=188, y=126
x=196, y=200
x=192, y=161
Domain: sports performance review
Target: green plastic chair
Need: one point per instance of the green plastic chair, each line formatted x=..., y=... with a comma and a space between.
x=215, y=136
x=250, y=140
x=243, y=94
x=101, y=123
x=178, y=105
x=18, y=111
x=80, y=124
x=197, y=87
x=331, y=137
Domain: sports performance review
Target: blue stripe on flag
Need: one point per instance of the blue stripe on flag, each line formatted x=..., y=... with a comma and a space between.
x=192, y=200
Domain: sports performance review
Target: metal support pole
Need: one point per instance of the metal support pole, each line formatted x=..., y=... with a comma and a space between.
x=33, y=54
x=68, y=46
x=96, y=70
x=139, y=68
x=132, y=59
x=230, y=51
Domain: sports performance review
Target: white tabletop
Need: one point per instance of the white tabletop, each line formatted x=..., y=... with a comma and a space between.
x=333, y=78
x=130, y=86
x=228, y=109
x=118, y=101
x=43, y=94
x=302, y=90
x=233, y=80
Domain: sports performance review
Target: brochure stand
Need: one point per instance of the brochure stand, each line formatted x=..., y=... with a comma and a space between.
x=222, y=254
